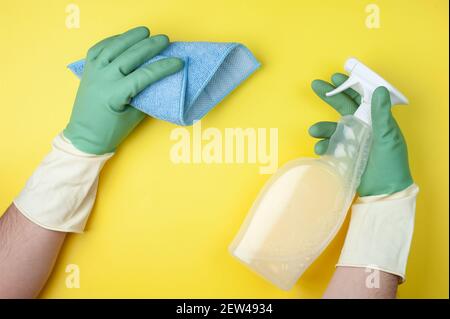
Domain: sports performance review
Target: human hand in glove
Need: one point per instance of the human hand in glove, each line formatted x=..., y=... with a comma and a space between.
x=60, y=194
x=101, y=117
x=387, y=170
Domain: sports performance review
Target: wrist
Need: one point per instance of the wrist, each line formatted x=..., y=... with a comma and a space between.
x=61, y=192
x=86, y=143
x=380, y=232
x=380, y=186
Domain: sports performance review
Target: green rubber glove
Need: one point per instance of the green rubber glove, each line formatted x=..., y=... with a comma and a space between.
x=101, y=117
x=387, y=169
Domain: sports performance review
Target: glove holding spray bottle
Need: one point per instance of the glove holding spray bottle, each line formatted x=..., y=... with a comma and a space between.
x=303, y=205
x=382, y=220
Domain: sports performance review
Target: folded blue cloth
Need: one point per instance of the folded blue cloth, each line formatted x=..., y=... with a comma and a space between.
x=211, y=71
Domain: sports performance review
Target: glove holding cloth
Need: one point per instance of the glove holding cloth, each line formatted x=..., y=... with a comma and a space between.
x=61, y=192
x=382, y=220
x=211, y=71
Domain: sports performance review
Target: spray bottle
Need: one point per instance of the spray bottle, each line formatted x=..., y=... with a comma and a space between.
x=303, y=205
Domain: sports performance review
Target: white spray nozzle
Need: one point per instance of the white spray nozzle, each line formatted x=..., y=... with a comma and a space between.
x=364, y=81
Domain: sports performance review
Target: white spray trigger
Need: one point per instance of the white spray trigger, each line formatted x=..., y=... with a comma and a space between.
x=351, y=82
x=364, y=81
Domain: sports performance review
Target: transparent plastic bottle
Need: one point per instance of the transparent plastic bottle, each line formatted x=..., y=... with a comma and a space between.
x=303, y=205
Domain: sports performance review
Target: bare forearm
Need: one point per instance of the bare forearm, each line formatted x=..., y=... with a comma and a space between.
x=361, y=283
x=27, y=255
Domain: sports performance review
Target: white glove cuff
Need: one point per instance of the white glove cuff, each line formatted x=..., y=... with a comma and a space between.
x=380, y=232
x=61, y=192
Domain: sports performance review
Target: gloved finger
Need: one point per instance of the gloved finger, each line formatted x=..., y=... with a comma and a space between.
x=94, y=51
x=121, y=43
x=138, y=80
x=139, y=53
x=341, y=102
x=321, y=146
x=339, y=78
x=382, y=120
x=322, y=129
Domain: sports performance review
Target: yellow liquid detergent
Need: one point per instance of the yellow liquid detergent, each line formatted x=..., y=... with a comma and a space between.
x=295, y=216
x=301, y=208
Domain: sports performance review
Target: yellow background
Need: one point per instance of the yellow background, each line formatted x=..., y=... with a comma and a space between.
x=162, y=230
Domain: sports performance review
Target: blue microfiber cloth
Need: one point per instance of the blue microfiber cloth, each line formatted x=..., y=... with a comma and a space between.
x=211, y=71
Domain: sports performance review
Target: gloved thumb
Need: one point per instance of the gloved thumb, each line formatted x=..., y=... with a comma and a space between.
x=382, y=121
